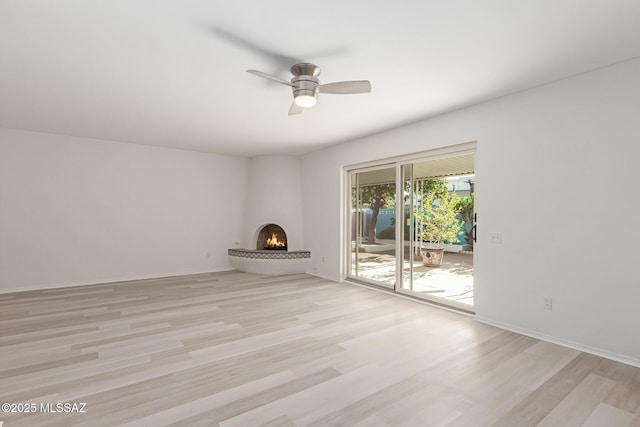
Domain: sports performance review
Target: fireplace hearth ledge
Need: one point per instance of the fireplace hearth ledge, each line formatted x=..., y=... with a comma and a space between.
x=269, y=261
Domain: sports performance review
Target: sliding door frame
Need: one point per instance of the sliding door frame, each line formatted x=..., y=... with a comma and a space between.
x=398, y=162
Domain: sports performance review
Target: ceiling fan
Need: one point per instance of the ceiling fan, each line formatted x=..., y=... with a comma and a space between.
x=306, y=85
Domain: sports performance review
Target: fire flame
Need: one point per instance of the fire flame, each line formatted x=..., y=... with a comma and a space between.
x=273, y=242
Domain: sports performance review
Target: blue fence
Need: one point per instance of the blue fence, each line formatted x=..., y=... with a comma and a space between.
x=385, y=226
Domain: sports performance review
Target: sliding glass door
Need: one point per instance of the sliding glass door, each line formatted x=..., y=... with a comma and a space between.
x=411, y=227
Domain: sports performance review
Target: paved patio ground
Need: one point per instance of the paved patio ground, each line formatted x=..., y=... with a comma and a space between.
x=453, y=280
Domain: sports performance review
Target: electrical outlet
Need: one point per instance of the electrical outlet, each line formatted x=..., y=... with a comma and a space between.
x=315, y=270
x=547, y=303
x=495, y=237
x=322, y=259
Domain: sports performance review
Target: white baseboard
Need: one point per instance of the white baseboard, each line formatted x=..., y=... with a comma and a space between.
x=565, y=343
x=322, y=276
x=41, y=287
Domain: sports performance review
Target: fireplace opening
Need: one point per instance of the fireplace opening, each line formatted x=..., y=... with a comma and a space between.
x=272, y=237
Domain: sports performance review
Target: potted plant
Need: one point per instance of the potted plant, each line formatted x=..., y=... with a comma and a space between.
x=439, y=225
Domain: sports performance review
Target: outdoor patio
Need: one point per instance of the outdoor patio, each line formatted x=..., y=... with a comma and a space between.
x=453, y=280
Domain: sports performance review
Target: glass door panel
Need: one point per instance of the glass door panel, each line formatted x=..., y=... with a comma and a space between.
x=372, y=226
x=437, y=260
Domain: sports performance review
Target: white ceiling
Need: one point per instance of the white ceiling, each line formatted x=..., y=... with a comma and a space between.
x=172, y=72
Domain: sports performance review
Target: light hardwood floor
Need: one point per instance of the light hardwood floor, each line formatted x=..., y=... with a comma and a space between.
x=239, y=349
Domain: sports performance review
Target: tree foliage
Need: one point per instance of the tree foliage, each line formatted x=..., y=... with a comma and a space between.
x=439, y=220
x=465, y=207
x=436, y=187
x=376, y=197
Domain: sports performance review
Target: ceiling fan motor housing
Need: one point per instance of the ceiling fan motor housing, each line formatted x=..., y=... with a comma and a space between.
x=305, y=81
x=305, y=85
x=305, y=69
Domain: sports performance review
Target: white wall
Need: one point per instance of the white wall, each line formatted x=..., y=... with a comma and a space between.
x=580, y=134
x=274, y=198
x=78, y=211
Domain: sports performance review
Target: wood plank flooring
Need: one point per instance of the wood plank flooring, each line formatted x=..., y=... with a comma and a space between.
x=237, y=349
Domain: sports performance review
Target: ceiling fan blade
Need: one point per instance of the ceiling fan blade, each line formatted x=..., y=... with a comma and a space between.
x=269, y=77
x=356, y=86
x=295, y=109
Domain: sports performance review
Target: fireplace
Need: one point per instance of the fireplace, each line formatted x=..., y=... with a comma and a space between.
x=271, y=255
x=272, y=237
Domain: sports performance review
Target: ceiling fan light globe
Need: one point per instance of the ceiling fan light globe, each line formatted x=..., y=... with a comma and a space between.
x=305, y=101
